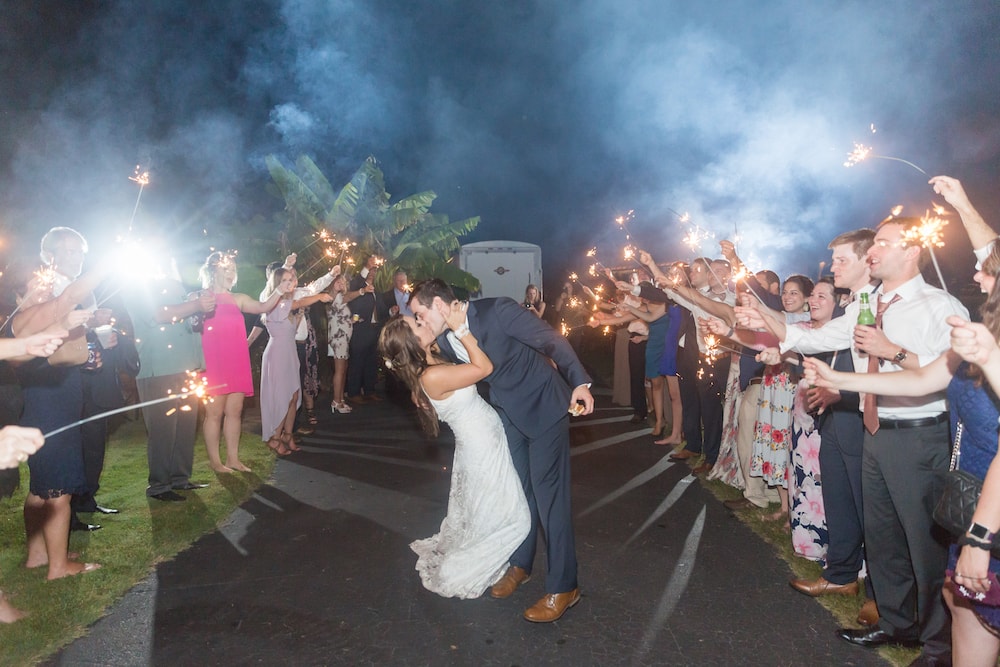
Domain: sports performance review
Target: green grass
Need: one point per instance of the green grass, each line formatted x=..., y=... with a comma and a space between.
x=128, y=546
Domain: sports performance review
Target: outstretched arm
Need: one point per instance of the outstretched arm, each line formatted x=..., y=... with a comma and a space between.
x=921, y=381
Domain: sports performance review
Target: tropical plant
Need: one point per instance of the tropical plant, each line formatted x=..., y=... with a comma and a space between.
x=321, y=223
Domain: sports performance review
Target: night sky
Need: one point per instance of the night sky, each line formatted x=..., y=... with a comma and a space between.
x=547, y=119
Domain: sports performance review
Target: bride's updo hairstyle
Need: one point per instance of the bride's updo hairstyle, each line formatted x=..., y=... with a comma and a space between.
x=404, y=357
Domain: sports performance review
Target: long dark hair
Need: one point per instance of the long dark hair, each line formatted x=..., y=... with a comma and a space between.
x=407, y=359
x=990, y=310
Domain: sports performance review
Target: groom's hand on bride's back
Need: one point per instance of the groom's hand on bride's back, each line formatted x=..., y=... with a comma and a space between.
x=582, y=395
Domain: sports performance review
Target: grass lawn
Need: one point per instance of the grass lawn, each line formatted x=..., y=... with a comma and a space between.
x=128, y=546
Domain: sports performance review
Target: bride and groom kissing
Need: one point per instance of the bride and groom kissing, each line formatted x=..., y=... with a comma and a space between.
x=511, y=473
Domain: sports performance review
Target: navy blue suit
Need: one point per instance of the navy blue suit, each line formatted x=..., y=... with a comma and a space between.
x=532, y=399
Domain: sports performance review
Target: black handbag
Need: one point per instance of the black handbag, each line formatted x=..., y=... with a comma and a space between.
x=959, y=496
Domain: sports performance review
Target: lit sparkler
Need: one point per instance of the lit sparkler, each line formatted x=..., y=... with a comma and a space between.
x=929, y=234
x=142, y=178
x=196, y=386
x=862, y=153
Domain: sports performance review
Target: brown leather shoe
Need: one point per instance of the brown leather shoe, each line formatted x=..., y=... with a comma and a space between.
x=868, y=614
x=552, y=606
x=703, y=468
x=821, y=586
x=683, y=455
x=512, y=578
x=738, y=504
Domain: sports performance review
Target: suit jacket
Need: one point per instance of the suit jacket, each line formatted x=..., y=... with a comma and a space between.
x=524, y=386
x=383, y=304
x=364, y=305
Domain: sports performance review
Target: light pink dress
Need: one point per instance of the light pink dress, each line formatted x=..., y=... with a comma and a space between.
x=279, y=369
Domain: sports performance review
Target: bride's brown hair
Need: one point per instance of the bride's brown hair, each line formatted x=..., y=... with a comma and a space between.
x=406, y=358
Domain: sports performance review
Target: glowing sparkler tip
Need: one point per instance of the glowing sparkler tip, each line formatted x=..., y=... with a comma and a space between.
x=859, y=154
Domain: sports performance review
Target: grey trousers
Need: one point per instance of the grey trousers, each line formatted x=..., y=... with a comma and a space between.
x=170, y=447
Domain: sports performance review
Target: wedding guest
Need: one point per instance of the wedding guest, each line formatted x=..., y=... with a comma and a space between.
x=227, y=359
x=16, y=442
x=362, y=369
x=169, y=349
x=533, y=301
x=53, y=399
x=339, y=329
x=280, y=385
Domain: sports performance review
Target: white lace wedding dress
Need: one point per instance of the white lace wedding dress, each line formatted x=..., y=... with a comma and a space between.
x=487, y=517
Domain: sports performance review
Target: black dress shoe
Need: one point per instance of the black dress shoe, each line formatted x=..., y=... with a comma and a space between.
x=105, y=510
x=76, y=524
x=871, y=637
x=190, y=486
x=168, y=496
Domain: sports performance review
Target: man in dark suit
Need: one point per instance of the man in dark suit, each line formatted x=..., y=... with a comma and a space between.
x=532, y=398
x=362, y=370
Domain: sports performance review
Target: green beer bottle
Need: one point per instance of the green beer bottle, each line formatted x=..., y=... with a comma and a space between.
x=866, y=317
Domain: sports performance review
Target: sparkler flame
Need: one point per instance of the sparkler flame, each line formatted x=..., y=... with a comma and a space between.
x=929, y=234
x=859, y=154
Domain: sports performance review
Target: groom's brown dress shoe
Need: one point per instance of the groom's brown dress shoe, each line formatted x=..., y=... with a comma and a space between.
x=816, y=587
x=514, y=577
x=552, y=606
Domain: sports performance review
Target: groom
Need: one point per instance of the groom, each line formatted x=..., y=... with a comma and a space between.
x=532, y=398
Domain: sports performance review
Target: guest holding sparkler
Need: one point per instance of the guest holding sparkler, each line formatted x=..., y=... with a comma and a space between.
x=168, y=350
x=227, y=358
x=339, y=329
x=362, y=370
x=280, y=384
x=53, y=397
x=17, y=443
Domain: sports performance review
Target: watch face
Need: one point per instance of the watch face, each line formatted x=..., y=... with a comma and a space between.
x=978, y=531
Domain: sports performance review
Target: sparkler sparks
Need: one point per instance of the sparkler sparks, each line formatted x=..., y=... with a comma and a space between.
x=142, y=178
x=862, y=153
x=929, y=234
x=196, y=386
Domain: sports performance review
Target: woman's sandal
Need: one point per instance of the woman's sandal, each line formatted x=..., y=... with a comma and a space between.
x=289, y=444
x=311, y=417
x=276, y=444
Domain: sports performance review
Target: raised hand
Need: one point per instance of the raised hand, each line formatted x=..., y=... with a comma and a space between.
x=972, y=341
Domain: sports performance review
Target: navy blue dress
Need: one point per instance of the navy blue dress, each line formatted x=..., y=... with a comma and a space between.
x=53, y=397
x=977, y=408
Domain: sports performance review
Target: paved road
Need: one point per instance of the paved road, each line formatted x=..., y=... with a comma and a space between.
x=315, y=570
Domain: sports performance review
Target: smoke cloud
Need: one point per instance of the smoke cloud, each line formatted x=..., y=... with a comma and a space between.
x=547, y=119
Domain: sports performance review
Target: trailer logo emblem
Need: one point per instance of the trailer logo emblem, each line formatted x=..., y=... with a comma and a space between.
x=500, y=270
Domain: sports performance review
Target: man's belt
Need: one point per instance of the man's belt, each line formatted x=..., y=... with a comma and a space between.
x=913, y=423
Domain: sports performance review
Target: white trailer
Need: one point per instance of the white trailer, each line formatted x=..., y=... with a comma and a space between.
x=504, y=268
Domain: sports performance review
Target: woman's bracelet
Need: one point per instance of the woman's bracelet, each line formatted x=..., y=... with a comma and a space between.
x=731, y=332
x=966, y=541
x=462, y=331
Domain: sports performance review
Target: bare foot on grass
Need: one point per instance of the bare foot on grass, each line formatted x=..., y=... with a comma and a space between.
x=219, y=468
x=30, y=565
x=72, y=569
x=9, y=614
x=238, y=466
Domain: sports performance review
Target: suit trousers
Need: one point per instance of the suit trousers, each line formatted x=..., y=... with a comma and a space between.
x=170, y=441
x=362, y=362
x=755, y=489
x=543, y=464
x=703, y=392
x=907, y=552
x=842, y=435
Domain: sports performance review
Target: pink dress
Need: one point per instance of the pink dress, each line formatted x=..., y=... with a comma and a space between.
x=224, y=344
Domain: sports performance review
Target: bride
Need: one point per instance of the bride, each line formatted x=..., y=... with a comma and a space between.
x=487, y=514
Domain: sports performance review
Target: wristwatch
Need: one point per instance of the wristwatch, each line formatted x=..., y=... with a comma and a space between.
x=900, y=356
x=980, y=532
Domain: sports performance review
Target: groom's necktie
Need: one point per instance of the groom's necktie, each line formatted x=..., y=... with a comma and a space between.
x=457, y=346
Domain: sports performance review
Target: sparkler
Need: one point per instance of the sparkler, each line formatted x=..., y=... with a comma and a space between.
x=142, y=178
x=321, y=235
x=862, y=153
x=328, y=253
x=196, y=386
x=928, y=235
x=41, y=281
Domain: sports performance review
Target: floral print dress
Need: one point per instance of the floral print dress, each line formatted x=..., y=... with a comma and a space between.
x=773, y=429
x=810, y=537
